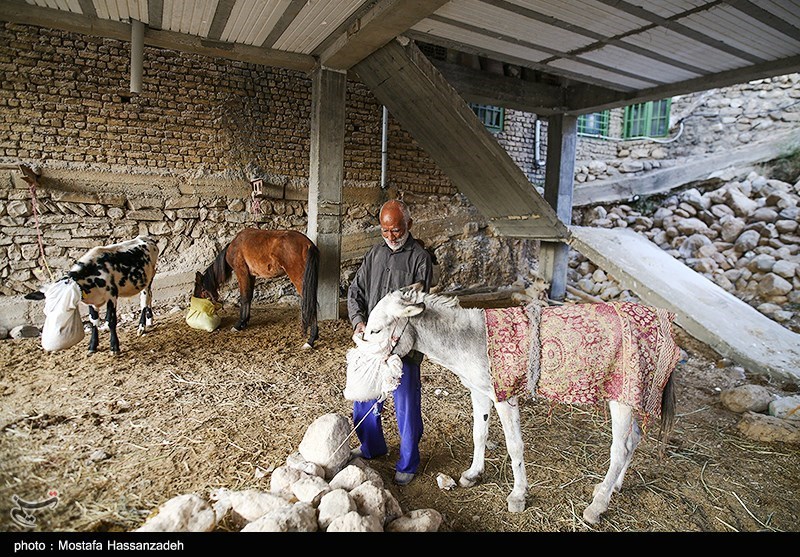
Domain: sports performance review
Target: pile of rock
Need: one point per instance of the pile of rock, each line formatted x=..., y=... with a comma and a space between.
x=743, y=235
x=765, y=417
x=320, y=488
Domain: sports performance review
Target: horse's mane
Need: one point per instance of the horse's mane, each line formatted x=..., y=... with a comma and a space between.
x=218, y=272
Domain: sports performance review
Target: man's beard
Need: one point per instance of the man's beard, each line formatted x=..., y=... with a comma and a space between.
x=394, y=246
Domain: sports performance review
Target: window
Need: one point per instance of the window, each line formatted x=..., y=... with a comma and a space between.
x=650, y=119
x=595, y=123
x=491, y=116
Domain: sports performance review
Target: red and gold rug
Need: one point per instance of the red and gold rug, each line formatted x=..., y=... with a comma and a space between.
x=587, y=353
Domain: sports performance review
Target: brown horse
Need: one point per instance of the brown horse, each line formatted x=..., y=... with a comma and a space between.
x=268, y=254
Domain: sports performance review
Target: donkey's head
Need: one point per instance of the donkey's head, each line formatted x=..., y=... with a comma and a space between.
x=388, y=321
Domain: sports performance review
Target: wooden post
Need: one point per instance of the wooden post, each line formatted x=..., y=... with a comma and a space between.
x=558, y=183
x=325, y=183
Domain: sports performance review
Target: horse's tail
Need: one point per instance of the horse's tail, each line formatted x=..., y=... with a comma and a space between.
x=668, y=403
x=309, y=301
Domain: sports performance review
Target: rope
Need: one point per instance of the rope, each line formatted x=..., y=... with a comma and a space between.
x=38, y=227
x=356, y=426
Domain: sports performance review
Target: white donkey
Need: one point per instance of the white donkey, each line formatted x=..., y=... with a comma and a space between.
x=456, y=338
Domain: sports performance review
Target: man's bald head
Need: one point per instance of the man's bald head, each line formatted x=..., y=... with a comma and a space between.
x=395, y=221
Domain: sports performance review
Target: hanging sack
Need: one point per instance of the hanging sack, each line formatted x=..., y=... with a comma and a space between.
x=202, y=314
x=63, y=327
x=370, y=374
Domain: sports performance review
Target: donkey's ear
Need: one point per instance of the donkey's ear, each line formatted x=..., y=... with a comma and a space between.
x=198, y=276
x=412, y=310
x=411, y=293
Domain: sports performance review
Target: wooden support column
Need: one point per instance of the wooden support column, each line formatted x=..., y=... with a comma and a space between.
x=325, y=183
x=558, y=183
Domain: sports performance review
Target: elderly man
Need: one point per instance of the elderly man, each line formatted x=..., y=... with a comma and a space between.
x=398, y=261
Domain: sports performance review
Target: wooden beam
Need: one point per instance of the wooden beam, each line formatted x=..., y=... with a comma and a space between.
x=326, y=170
x=286, y=18
x=17, y=11
x=382, y=23
x=221, y=16
x=510, y=92
x=562, y=139
x=419, y=97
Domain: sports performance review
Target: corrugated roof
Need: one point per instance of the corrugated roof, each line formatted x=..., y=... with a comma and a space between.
x=630, y=49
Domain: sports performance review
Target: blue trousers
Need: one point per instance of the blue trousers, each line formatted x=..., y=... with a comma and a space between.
x=408, y=410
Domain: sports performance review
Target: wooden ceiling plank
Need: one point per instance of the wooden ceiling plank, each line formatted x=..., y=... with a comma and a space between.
x=767, y=18
x=675, y=26
x=17, y=11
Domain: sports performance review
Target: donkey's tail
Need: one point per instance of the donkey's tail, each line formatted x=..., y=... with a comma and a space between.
x=309, y=301
x=668, y=403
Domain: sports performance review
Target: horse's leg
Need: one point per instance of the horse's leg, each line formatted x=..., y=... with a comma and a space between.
x=111, y=319
x=625, y=437
x=508, y=412
x=146, y=317
x=481, y=408
x=94, y=320
x=307, y=311
x=246, y=284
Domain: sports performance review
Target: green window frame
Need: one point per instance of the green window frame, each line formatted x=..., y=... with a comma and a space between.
x=594, y=124
x=493, y=117
x=650, y=119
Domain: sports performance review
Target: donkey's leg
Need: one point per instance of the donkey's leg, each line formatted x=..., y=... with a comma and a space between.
x=94, y=320
x=508, y=411
x=246, y=285
x=481, y=407
x=621, y=429
x=111, y=318
x=631, y=442
x=146, y=317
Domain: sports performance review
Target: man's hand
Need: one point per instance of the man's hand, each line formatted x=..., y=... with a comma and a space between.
x=360, y=328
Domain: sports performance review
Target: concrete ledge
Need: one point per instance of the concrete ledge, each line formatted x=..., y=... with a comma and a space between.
x=710, y=314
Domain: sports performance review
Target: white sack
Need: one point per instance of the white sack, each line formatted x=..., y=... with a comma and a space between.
x=63, y=327
x=370, y=374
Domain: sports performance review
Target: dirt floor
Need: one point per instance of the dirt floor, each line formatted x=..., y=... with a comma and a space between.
x=182, y=410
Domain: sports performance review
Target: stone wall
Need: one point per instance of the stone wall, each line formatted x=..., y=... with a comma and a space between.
x=176, y=162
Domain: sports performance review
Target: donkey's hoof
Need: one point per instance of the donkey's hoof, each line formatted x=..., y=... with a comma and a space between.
x=307, y=346
x=466, y=481
x=591, y=516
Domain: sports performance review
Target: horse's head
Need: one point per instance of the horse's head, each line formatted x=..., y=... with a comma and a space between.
x=388, y=321
x=62, y=322
x=206, y=287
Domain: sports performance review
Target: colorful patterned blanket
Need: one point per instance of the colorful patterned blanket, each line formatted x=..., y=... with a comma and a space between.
x=587, y=353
